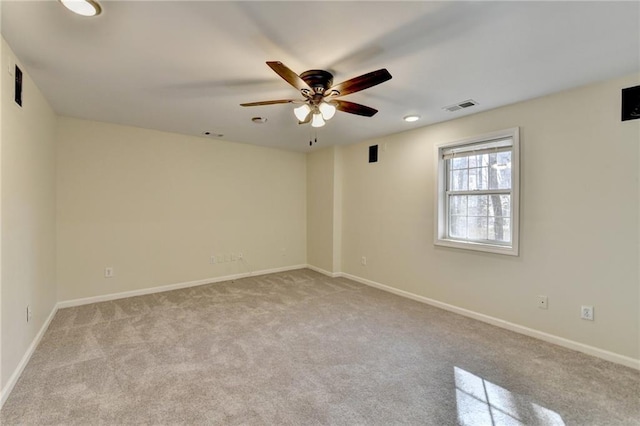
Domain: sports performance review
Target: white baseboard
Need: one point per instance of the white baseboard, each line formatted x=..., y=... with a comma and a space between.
x=169, y=287
x=4, y=394
x=560, y=341
x=324, y=272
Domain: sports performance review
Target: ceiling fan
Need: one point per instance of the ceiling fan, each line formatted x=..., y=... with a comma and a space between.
x=320, y=95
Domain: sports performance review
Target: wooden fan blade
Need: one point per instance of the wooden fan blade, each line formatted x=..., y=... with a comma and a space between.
x=289, y=76
x=279, y=101
x=354, y=108
x=362, y=82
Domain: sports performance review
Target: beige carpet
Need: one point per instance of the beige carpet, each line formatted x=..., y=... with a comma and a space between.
x=298, y=348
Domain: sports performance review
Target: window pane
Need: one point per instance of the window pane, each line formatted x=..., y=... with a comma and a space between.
x=477, y=228
x=458, y=180
x=504, y=178
x=475, y=160
x=493, y=159
x=479, y=178
x=500, y=172
x=500, y=229
x=504, y=159
x=500, y=205
x=458, y=163
x=506, y=205
x=458, y=227
x=507, y=230
x=477, y=205
x=458, y=205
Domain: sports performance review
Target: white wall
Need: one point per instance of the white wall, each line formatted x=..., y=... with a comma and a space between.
x=579, y=219
x=155, y=206
x=27, y=176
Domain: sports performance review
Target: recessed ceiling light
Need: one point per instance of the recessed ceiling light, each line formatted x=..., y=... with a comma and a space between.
x=259, y=120
x=411, y=118
x=82, y=7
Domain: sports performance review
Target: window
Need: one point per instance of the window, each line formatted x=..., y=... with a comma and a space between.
x=478, y=182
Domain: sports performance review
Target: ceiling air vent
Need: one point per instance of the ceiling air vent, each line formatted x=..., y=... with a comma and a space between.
x=461, y=105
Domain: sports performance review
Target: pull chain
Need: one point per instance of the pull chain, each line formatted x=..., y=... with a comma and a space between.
x=315, y=138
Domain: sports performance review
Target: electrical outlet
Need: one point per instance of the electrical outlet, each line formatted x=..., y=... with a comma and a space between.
x=29, y=313
x=108, y=272
x=240, y=256
x=212, y=260
x=543, y=302
x=363, y=260
x=586, y=312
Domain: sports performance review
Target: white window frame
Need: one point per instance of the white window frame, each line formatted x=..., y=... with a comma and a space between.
x=441, y=237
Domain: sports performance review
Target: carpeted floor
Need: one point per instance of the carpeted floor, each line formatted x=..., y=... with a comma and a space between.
x=298, y=348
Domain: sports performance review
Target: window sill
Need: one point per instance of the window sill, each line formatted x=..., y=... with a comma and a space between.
x=487, y=248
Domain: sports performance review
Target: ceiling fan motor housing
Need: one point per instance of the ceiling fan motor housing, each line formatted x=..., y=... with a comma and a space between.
x=318, y=80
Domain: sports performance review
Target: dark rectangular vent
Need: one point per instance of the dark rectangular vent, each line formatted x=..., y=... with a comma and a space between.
x=18, y=86
x=373, y=154
x=461, y=105
x=631, y=103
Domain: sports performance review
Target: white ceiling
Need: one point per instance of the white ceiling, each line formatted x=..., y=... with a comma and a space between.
x=185, y=66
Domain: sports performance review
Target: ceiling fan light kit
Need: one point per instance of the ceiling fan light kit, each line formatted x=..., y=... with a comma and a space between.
x=302, y=112
x=317, y=120
x=320, y=101
x=83, y=7
x=328, y=110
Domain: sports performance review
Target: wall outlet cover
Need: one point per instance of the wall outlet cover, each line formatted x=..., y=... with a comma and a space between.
x=586, y=312
x=543, y=302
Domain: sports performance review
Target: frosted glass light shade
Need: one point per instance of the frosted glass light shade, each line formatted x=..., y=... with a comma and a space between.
x=317, y=120
x=82, y=7
x=302, y=112
x=328, y=110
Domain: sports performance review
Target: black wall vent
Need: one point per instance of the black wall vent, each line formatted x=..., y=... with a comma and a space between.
x=18, y=86
x=631, y=103
x=373, y=154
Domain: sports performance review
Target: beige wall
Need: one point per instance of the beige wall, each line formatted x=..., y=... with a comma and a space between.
x=155, y=206
x=337, y=208
x=579, y=219
x=320, y=208
x=27, y=176
x=324, y=209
